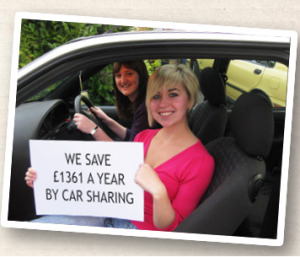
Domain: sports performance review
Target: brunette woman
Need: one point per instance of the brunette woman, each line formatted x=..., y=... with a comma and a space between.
x=130, y=82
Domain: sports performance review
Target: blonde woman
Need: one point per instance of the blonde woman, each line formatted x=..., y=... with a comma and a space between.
x=177, y=168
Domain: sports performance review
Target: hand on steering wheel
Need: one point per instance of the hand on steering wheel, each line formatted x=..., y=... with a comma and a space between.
x=90, y=115
x=83, y=123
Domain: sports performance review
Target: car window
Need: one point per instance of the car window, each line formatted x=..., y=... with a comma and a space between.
x=269, y=64
x=264, y=76
x=44, y=93
x=267, y=77
x=99, y=86
x=203, y=63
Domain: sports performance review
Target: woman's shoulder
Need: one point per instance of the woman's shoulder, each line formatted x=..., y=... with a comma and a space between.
x=146, y=134
x=141, y=111
x=140, y=105
x=200, y=147
x=200, y=154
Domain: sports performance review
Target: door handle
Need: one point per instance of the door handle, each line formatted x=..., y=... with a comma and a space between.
x=257, y=71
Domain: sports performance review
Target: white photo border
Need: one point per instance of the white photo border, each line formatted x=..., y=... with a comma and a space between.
x=287, y=34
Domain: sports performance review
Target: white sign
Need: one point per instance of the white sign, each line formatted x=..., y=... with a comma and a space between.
x=87, y=178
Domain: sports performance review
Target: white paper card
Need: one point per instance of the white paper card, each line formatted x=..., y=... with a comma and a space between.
x=87, y=178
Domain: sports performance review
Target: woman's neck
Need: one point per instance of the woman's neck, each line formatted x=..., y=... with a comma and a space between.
x=133, y=97
x=178, y=132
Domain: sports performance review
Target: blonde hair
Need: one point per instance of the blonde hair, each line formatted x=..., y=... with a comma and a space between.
x=170, y=75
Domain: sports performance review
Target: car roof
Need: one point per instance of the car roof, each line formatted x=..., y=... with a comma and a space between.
x=139, y=37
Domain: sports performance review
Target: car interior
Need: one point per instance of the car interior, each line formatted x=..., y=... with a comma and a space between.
x=239, y=172
x=245, y=138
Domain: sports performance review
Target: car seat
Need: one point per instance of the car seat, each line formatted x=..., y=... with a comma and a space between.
x=239, y=169
x=208, y=119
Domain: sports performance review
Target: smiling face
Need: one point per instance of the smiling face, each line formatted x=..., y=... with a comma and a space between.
x=170, y=105
x=127, y=81
x=171, y=93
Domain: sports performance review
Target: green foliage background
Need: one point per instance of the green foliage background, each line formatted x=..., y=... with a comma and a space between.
x=39, y=37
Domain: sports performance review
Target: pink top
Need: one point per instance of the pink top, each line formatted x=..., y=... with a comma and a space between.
x=186, y=177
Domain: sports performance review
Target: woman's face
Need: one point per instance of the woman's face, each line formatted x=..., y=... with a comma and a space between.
x=169, y=106
x=127, y=81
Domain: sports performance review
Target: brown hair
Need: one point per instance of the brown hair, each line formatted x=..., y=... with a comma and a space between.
x=126, y=108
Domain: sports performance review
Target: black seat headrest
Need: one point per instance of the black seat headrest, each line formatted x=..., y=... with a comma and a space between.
x=252, y=124
x=212, y=86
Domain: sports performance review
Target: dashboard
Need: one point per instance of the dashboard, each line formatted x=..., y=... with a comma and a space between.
x=35, y=120
x=53, y=122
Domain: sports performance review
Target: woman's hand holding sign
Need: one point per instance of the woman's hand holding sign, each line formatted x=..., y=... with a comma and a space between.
x=148, y=179
x=30, y=176
x=163, y=212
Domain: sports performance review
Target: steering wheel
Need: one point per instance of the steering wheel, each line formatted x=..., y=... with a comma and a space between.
x=78, y=109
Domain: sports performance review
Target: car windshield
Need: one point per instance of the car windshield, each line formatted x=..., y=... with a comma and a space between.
x=47, y=91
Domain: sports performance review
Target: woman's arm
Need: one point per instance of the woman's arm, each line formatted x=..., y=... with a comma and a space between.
x=85, y=125
x=163, y=212
x=117, y=128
